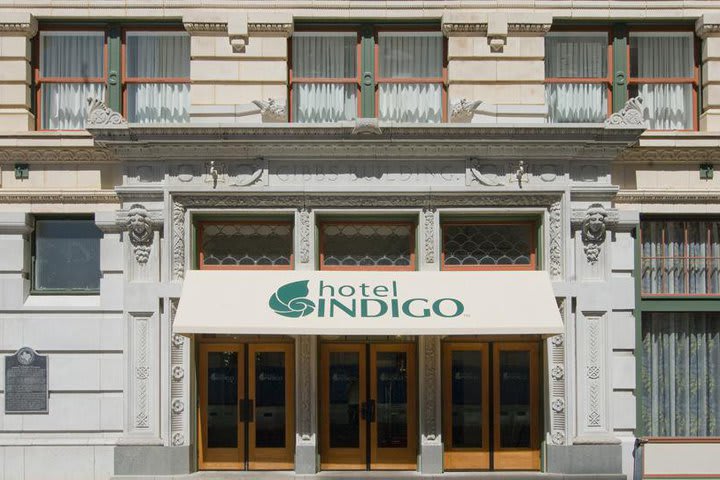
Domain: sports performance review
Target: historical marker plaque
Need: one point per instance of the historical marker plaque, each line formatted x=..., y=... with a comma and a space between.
x=26, y=382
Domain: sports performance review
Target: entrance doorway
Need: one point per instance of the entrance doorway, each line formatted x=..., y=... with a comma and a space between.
x=247, y=416
x=368, y=406
x=491, y=414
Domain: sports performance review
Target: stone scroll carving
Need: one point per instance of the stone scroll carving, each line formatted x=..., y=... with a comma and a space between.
x=272, y=110
x=593, y=231
x=631, y=115
x=555, y=233
x=100, y=115
x=304, y=219
x=462, y=110
x=140, y=232
x=429, y=228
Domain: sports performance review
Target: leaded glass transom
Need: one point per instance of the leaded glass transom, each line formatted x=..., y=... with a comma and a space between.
x=367, y=245
x=246, y=245
x=488, y=245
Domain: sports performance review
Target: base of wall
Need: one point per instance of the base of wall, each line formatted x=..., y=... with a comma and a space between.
x=378, y=475
x=305, y=459
x=584, y=459
x=431, y=458
x=152, y=460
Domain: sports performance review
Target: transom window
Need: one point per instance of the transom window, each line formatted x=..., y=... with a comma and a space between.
x=145, y=74
x=395, y=75
x=367, y=246
x=488, y=246
x=245, y=245
x=680, y=257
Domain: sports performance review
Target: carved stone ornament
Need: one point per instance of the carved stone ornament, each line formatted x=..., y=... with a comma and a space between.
x=557, y=372
x=178, y=373
x=557, y=340
x=27, y=28
x=366, y=126
x=140, y=232
x=100, y=115
x=594, y=230
x=178, y=340
x=462, y=110
x=488, y=179
x=258, y=29
x=272, y=110
x=469, y=29
x=558, y=405
x=631, y=115
x=178, y=406
x=429, y=227
x=178, y=439
x=558, y=438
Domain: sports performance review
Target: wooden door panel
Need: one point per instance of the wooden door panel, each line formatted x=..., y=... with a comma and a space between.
x=220, y=429
x=466, y=406
x=343, y=381
x=271, y=424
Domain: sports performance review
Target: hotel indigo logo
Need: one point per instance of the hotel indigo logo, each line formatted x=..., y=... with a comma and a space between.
x=360, y=300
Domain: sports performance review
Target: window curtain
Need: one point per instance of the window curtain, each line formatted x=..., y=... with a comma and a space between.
x=410, y=55
x=158, y=55
x=666, y=106
x=681, y=374
x=576, y=56
x=327, y=56
x=77, y=55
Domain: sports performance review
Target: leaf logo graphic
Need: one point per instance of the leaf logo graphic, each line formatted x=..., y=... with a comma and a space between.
x=291, y=300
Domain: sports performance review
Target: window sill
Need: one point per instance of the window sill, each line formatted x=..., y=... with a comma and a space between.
x=681, y=439
x=54, y=300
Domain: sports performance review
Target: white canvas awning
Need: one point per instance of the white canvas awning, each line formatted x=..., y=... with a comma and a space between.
x=367, y=303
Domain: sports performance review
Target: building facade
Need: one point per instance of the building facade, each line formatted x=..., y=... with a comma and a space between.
x=326, y=236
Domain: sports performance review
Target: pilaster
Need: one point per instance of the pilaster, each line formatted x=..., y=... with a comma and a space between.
x=708, y=30
x=306, y=445
x=431, y=445
x=16, y=31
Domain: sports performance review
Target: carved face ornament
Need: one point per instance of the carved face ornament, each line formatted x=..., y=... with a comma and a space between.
x=139, y=225
x=594, y=223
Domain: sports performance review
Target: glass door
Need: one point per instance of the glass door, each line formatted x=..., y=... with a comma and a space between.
x=466, y=400
x=221, y=430
x=343, y=387
x=271, y=420
x=392, y=408
x=516, y=408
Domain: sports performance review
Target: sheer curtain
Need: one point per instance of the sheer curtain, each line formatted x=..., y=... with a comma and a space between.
x=158, y=55
x=681, y=374
x=569, y=55
x=331, y=55
x=664, y=55
x=410, y=55
x=70, y=55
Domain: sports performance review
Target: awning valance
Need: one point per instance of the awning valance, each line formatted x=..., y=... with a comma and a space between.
x=367, y=303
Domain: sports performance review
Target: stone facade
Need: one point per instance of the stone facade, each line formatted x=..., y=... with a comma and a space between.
x=122, y=383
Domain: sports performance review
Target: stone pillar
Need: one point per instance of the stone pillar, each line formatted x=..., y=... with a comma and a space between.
x=708, y=29
x=15, y=233
x=496, y=59
x=431, y=445
x=16, y=31
x=306, y=444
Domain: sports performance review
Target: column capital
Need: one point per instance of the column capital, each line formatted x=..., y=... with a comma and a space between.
x=18, y=24
x=708, y=26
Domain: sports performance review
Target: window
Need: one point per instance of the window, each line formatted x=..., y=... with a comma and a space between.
x=245, y=245
x=577, y=71
x=681, y=374
x=488, y=246
x=680, y=257
x=367, y=246
x=395, y=75
x=76, y=64
x=66, y=255
x=591, y=72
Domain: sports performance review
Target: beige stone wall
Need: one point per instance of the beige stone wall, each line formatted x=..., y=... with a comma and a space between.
x=708, y=29
x=15, y=57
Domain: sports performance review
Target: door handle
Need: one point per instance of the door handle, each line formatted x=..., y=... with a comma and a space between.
x=363, y=411
x=250, y=410
x=371, y=410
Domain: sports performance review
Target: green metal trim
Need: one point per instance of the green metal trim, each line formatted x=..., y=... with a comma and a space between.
x=367, y=74
x=620, y=61
x=354, y=24
x=114, y=81
x=684, y=304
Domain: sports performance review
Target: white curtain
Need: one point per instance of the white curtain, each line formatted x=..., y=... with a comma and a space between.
x=411, y=102
x=327, y=55
x=681, y=374
x=64, y=105
x=576, y=56
x=666, y=106
x=158, y=55
x=410, y=55
x=69, y=55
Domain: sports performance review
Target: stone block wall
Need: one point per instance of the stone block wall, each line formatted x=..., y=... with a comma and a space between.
x=16, y=29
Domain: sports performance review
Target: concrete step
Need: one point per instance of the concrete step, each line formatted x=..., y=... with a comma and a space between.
x=377, y=476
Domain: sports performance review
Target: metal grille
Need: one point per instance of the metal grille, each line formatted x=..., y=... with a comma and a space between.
x=246, y=245
x=488, y=245
x=367, y=245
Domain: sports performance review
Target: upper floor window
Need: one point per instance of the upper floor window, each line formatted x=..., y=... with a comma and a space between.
x=680, y=257
x=659, y=65
x=249, y=245
x=367, y=246
x=153, y=81
x=66, y=255
x=489, y=246
x=395, y=75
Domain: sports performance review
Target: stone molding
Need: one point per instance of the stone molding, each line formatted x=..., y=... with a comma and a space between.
x=517, y=27
x=429, y=233
x=64, y=196
x=677, y=154
x=304, y=219
x=667, y=196
x=465, y=29
x=708, y=26
x=54, y=154
x=270, y=29
x=179, y=386
x=24, y=24
x=199, y=28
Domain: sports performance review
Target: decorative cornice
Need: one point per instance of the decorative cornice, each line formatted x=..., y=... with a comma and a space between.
x=470, y=29
x=28, y=29
x=100, y=115
x=54, y=154
x=667, y=196
x=206, y=28
x=708, y=30
x=694, y=155
x=529, y=27
x=631, y=115
x=258, y=29
x=65, y=196
x=364, y=126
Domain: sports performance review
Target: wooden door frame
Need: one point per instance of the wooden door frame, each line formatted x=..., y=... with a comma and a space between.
x=223, y=457
x=517, y=458
x=273, y=458
x=465, y=458
x=341, y=458
x=400, y=458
